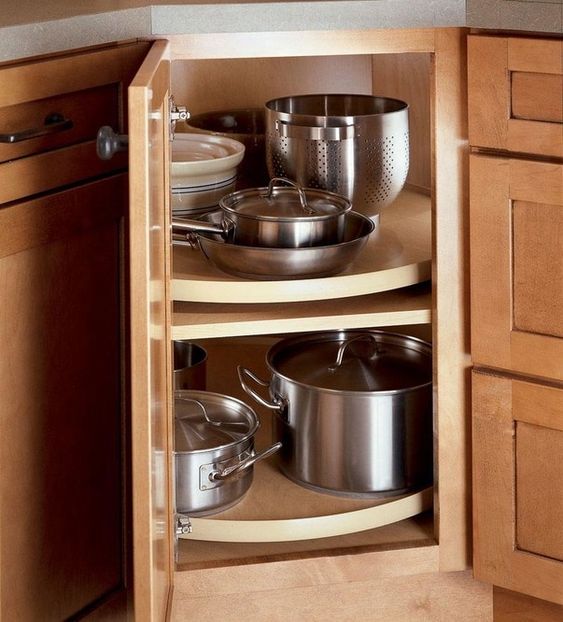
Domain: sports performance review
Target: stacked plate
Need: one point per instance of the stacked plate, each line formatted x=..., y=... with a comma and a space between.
x=203, y=169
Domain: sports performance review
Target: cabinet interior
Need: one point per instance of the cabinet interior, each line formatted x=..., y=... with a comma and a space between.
x=241, y=333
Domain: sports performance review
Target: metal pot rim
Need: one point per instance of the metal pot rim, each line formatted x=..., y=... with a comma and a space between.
x=201, y=395
x=304, y=338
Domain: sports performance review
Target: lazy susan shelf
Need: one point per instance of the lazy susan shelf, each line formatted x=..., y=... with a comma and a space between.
x=397, y=255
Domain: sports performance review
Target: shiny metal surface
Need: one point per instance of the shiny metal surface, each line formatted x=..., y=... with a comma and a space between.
x=353, y=145
x=277, y=216
x=214, y=451
x=253, y=262
x=347, y=440
x=190, y=365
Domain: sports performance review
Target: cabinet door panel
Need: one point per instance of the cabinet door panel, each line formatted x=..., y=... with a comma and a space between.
x=62, y=402
x=518, y=485
x=516, y=233
x=150, y=334
x=516, y=94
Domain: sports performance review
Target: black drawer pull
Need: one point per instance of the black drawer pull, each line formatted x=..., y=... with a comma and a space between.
x=54, y=122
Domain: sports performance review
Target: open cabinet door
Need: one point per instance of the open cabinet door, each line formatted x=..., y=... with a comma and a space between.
x=150, y=339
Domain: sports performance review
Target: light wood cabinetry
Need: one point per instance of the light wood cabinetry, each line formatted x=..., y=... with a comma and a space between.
x=210, y=305
x=65, y=484
x=516, y=216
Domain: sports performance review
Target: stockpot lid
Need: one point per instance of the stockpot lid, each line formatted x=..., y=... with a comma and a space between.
x=205, y=420
x=277, y=202
x=354, y=361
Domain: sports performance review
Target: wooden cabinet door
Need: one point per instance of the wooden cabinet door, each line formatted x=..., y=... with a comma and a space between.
x=518, y=485
x=63, y=403
x=516, y=94
x=516, y=230
x=150, y=334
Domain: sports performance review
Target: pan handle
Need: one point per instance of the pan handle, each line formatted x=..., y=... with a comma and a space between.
x=238, y=470
x=277, y=404
x=187, y=225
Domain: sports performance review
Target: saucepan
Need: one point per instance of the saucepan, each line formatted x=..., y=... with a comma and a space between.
x=277, y=216
x=266, y=264
x=353, y=410
x=214, y=451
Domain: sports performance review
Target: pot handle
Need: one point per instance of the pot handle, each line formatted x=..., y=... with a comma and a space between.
x=238, y=470
x=342, y=349
x=242, y=372
x=342, y=132
x=188, y=225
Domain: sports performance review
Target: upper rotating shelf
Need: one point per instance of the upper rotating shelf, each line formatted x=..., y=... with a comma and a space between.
x=398, y=254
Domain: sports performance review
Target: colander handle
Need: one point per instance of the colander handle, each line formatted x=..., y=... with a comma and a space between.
x=343, y=132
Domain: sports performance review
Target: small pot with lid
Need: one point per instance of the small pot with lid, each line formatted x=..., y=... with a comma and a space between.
x=214, y=451
x=277, y=216
x=353, y=410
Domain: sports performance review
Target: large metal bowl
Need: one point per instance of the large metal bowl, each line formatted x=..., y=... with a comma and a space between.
x=272, y=264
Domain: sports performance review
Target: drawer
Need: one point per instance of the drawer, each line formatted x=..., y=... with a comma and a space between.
x=516, y=94
x=518, y=485
x=516, y=238
x=50, y=112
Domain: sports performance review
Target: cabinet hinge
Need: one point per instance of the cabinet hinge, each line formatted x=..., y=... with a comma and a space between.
x=177, y=113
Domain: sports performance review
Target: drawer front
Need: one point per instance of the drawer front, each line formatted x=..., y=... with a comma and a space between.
x=518, y=485
x=50, y=112
x=516, y=94
x=516, y=238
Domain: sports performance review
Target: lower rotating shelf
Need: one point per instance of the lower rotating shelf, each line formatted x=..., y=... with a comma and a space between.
x=291, y=530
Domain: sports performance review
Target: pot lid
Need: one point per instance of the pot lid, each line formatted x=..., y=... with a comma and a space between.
x=205, y=420
x=370, y=361
x=277, y=202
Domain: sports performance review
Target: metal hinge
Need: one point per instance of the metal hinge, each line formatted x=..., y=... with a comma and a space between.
x=177, y=113
x=183, y=525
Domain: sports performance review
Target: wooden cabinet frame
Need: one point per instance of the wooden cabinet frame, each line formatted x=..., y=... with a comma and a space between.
x=150, y=287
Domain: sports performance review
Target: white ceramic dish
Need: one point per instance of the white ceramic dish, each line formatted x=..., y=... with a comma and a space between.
x=188, y=200
x=203, y=154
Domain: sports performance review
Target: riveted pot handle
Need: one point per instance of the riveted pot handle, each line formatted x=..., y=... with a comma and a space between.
x=238, y=470
x=242, y=374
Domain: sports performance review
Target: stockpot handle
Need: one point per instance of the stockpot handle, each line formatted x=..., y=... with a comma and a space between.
x=345, y=344
x=302, y=198
x=236, y=471
x=242, y=372
x=313, y=132
x=188, y=225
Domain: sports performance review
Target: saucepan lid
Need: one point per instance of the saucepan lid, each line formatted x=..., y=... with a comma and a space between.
x=205, y=420
x=285, y=200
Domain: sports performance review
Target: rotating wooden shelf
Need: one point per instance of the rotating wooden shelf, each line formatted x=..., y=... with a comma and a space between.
x=409, y=305
x=276, y=509
x=397, y=255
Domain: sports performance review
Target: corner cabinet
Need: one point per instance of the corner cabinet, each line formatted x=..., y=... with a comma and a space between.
x=176, y=295
x=516, y=238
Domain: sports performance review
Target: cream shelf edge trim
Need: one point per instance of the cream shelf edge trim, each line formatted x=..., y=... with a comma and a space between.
x=292, y=530
x=298, y=325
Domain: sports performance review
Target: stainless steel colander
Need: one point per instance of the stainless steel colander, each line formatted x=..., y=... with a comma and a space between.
x=353, y=145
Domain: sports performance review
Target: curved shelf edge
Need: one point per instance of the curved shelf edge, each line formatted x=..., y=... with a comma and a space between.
x=191, y=290
x=291, y=530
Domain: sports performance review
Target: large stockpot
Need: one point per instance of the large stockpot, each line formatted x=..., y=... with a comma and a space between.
x=277, y=216
x=353, y=410
x=214, y=451
x=354, y=145
x=190, y=363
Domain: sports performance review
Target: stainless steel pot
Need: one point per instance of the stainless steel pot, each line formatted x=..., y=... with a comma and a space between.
x=277, y=217
x=266, y=264
x=190, y=362
x=353, y=410
x=354, y=145
x=214, y=451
